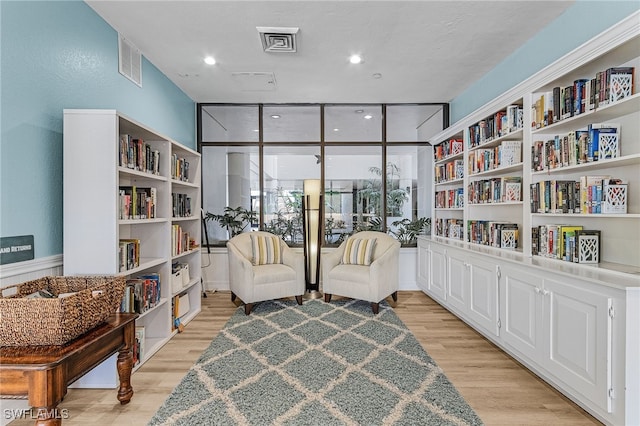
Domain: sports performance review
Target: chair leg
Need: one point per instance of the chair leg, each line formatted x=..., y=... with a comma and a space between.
x=247, y=308
x=394, y=296
x=299, y=300
x=327, y=297
x=375, y=307
x=233, y=297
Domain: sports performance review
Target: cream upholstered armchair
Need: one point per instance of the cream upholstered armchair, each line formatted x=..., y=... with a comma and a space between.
x=262, y=267
x=364, y=267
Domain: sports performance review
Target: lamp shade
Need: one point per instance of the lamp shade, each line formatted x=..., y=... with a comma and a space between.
x=312, y=215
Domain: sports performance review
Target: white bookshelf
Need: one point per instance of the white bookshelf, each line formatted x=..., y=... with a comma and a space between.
x=93, y=227
x=540, y=309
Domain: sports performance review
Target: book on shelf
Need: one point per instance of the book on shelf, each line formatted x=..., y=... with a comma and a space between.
x=141, y=294
x=129, y=253
x=139, y=349
x=136, y=154
x=181, y=204
x=179, y=168
x=490, y=233
x=448, y=148
x=137, y=202
x=603, y=137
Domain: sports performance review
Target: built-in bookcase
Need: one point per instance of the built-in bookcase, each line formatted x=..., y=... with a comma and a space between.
x=579, y=175
x=99, y=218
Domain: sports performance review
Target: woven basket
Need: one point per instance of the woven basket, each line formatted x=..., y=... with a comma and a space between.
x=56, y=321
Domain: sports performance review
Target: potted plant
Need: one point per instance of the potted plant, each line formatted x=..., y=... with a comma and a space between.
x=407, y=230
x=234, y=220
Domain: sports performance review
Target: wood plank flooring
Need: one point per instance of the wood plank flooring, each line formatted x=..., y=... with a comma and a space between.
x=498, y=388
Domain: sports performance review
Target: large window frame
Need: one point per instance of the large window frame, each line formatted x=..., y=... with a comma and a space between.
x=322, y=143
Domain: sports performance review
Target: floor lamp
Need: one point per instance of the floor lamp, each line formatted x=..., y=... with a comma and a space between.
x=311, y=224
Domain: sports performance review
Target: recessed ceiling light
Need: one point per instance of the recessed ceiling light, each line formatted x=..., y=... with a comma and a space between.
x=275, y=116
x=256, y=130
x=210, y=60
x=336, y=130
x=359, y=111
x=355, y=59
x=368, y=117
x=377, y=75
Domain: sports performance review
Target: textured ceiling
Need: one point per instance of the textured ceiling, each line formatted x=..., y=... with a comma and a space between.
x=425, y=51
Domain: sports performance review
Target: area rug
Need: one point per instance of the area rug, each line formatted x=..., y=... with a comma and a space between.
x=316, y=364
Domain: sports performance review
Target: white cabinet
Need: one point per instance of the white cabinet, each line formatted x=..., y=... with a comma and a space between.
x=578, y=344
x=483, y=294
x=423, y=267
x=95, y=184
x=438, y=281
x=521, y=311
x=457, y=287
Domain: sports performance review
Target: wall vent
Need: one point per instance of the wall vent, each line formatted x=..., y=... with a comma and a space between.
x=129, y=60
x=278, y=39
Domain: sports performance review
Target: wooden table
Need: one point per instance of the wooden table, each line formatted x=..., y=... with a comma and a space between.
x=42, y=373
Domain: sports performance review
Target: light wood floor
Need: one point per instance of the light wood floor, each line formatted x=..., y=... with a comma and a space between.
x=498, y=388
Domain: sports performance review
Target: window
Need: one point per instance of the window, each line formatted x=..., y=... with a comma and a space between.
x=372, y=157
x=230, y=178
x=285, y=169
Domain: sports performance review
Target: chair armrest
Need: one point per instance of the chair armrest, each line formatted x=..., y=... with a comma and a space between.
x=331, y=259
x=240, y=273
x=294, y=260
x=384, y=272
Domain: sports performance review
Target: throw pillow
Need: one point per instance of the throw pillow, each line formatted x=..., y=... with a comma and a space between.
x=359, y=251
x=265, y=250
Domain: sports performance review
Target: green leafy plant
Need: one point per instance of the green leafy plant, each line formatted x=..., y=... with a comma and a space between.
x=234, y=220
x=371, y=193
x=407, y=230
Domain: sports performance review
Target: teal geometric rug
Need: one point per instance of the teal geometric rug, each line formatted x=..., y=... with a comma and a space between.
x=316, y=364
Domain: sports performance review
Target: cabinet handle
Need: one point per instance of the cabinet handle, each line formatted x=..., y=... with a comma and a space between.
x=537, y=290
x=545, y=292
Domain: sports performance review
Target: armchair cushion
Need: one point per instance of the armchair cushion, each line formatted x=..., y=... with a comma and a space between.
x=359, y=251
x=265, y=250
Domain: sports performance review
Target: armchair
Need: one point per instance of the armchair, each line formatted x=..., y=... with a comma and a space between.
x=373, y=282
x=265, y=275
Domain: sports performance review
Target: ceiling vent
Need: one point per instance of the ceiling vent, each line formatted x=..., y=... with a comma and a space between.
x=278, y=39
x=129, y=60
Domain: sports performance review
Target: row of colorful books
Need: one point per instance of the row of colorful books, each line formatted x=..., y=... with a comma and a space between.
x=141, y=294
x=589, y=195
x=500, y=124
x=449, y=171
x=181, y=240
x=570, y=243
x=179, y=168
x=598, y=142
x=447, y=149
x=137, y=203
x=449, y=228
x=495, y=190
x=136, y=154
x=495, y=234
x=606, y=87
x=506, y=154
x=181, y=205
x=128, y=254
x=450, y=199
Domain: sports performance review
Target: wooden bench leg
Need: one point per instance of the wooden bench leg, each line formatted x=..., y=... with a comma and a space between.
x=327, y=297
x=299, y=300
x=247, y=308
x=394, y=296
x=233, y=297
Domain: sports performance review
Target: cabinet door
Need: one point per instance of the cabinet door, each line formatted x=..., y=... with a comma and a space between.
x=424, y=265
x=578, y=349
x=521, y=312
x=483, y=294
x=457, y=281
x=437, y=283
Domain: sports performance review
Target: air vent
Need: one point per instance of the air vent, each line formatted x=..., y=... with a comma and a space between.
x=278, y=39
x=129, y=60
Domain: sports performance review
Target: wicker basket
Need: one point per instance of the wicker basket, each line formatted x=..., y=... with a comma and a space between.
x=56, y=321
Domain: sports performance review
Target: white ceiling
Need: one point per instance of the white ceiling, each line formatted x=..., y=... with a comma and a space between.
x=426, y=51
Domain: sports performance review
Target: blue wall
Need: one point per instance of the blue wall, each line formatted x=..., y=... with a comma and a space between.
x=579, y=23
x=56, y=55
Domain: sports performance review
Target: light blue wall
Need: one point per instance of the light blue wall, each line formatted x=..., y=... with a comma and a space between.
x=579, y=23
x=56, y=55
